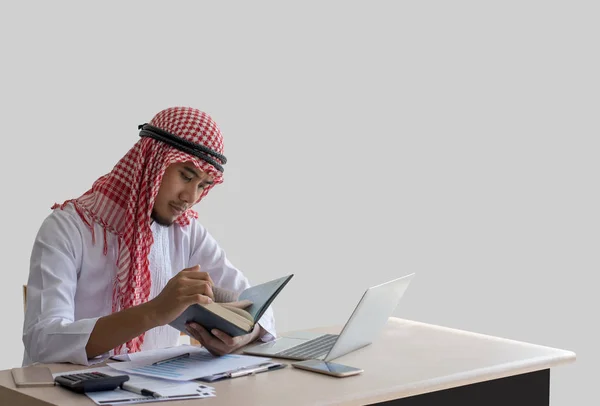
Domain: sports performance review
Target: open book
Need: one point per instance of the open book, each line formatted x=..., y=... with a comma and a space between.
x=233, y=315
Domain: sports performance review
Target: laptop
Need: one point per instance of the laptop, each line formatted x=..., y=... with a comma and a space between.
x=364, y=325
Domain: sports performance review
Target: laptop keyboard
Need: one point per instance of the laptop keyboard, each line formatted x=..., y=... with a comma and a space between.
x=311, y=349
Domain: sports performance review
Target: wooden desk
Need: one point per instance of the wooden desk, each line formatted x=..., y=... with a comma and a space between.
x=410, y=364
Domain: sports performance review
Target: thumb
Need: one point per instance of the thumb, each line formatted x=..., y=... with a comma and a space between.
x=195, y=268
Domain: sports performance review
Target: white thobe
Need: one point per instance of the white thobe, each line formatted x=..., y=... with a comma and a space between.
x=70, y=284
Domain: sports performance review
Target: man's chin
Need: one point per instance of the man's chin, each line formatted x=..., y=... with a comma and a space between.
x=162, y=221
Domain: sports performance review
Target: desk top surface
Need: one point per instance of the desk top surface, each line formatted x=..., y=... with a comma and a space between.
x=409, y=358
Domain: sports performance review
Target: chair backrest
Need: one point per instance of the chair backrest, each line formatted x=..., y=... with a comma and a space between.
x=24, y=297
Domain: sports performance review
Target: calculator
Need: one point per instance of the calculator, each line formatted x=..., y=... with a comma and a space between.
x=90, y=381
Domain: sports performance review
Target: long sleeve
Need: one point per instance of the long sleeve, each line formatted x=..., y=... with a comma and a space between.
x=212, y=259
x=50, y=331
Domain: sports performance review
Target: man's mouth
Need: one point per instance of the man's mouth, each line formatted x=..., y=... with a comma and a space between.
x=177, y=209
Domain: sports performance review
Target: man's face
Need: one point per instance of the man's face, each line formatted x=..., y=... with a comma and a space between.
x=181, y=186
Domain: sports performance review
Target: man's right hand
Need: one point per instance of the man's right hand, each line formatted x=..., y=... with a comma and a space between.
x=184, y=289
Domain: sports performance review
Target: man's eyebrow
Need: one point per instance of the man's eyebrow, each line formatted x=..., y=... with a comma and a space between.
x=193, y=172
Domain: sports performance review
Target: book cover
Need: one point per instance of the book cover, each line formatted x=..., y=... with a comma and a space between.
x=243, y=320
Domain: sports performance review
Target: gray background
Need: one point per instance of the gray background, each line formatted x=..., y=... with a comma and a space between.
x=457, y=140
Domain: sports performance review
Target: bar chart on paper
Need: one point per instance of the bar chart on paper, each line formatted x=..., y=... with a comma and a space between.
x=173, y=369
x=199, y=364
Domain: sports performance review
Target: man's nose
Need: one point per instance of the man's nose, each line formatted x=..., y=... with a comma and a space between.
x=190, y=194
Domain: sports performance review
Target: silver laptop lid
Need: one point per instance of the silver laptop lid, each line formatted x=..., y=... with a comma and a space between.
x=369, y=317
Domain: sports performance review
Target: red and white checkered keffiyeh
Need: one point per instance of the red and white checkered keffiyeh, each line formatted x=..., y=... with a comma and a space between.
x=122, y=200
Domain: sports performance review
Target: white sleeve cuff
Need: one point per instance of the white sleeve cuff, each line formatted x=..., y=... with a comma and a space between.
x=268, y=324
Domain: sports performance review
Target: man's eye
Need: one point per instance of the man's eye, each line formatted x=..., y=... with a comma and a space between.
x=187, y=178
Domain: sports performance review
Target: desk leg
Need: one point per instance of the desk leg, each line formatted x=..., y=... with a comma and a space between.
x=531, y=389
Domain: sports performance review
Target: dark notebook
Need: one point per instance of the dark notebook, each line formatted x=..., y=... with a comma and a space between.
x=237, y=317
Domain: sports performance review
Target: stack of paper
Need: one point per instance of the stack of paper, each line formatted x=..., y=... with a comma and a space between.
x=156, y=353
x=170, y=390
x=199, y=364
x=173, y=379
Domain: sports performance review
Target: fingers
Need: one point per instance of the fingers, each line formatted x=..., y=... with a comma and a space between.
x=196, y=298
x=219, y=343
x=196, y=334
x=195, y=273
x=224, y=337
x=213, y=351
x=197, y=287
x=194, y=268
x=201, y=332
x=209, y=292
x=213, y=345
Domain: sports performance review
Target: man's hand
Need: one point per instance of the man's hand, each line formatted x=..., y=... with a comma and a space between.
x=221, y=343
x=184, y=289
x=187, y=287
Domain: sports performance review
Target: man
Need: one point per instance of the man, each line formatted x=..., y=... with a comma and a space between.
x=110, y=269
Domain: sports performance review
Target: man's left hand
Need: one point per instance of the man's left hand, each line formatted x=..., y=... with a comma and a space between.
x=220, y=343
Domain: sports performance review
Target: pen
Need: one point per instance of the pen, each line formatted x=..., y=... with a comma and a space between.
x=187, y=354
x=114, y=401
x=140, y=391
x=245, y=372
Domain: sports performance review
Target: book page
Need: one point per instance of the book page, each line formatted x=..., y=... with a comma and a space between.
x=224, y=295
x=232, y=315
x=240, y=304
x=237, y=307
